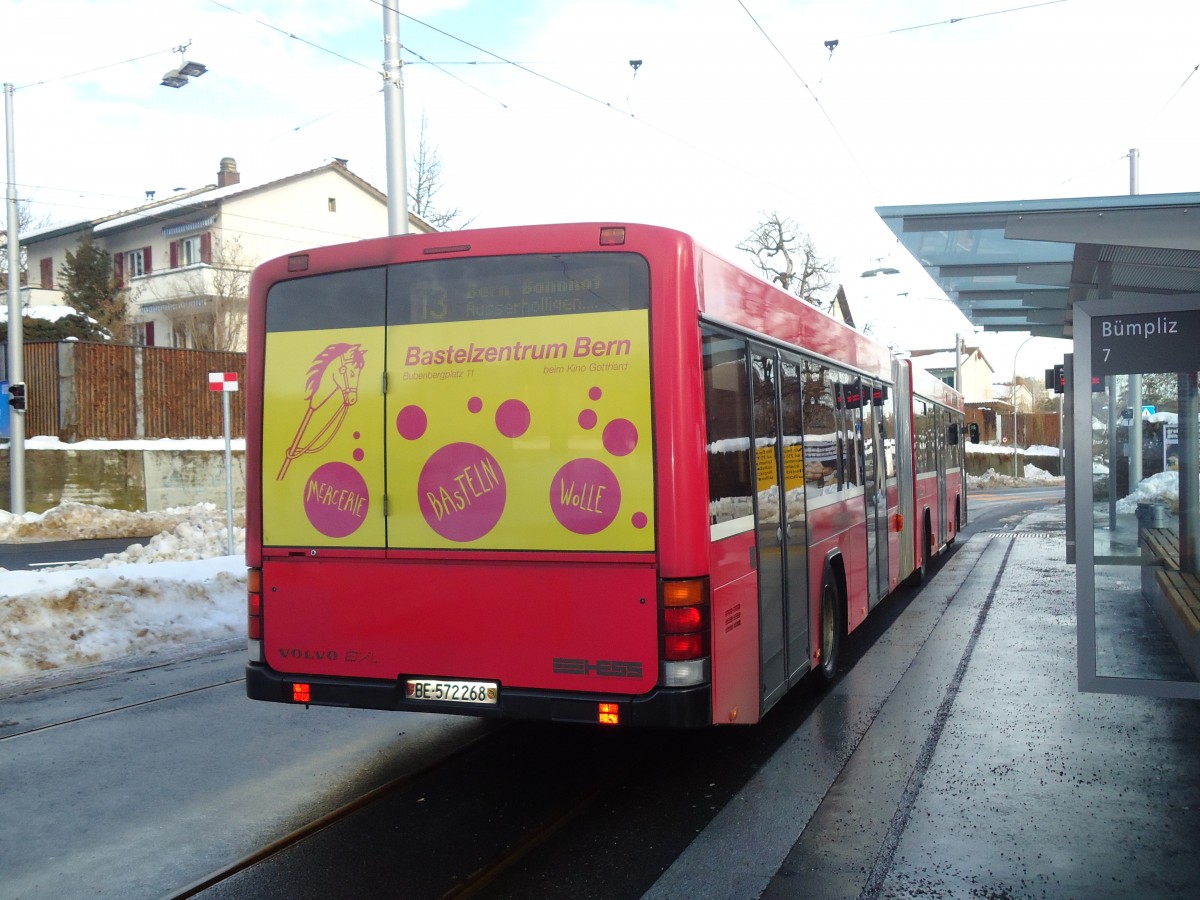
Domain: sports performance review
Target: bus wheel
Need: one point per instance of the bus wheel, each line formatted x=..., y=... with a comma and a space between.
x=831, y=626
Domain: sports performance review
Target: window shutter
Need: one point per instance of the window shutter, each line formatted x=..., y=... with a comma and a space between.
x=149, y=334
x=47, y=266
x=119, y=269
x=174, y=254
x=146, y=260
x=206, y=248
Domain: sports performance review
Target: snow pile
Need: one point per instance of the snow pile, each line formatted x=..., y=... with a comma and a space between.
x=1032, y=476
x=71, y=521
x=175, y=590
x=1160, y=488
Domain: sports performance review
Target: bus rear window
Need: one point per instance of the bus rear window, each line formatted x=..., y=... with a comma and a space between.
x=350, y=299
x=506, y=287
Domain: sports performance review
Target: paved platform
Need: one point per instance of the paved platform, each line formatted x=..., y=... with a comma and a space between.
x=958, y=759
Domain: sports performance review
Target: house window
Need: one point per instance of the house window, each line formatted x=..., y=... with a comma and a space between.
x=135, y=263
x=189, y=251
x=333, y=204
x=130, y=265
x=47, y=271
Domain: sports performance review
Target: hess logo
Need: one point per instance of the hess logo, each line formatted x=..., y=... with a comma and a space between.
x=606, y=668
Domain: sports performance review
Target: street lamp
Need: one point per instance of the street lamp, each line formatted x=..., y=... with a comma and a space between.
x=16, y=348
x=177, y=78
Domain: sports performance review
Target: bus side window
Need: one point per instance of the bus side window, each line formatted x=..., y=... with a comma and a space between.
x=820, y=429
x=727, y=402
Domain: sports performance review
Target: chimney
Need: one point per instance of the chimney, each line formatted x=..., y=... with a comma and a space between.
x=228, y=173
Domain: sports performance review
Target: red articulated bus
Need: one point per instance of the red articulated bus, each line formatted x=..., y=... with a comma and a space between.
x=583, y=473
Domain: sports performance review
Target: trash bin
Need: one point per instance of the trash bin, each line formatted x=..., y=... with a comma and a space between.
x=1151, y=515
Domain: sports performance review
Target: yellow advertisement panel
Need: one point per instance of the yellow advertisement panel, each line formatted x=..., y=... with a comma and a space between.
x=529, y=433
x=322, y=465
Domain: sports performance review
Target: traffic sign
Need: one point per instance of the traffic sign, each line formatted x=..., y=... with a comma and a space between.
x=222, y=381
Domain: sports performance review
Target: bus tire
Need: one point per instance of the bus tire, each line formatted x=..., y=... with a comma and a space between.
x=831, y=628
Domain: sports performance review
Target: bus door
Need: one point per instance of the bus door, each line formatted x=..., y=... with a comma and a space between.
x=783, y=624
x=940, y=429
x=875, y=492
x=795, y=533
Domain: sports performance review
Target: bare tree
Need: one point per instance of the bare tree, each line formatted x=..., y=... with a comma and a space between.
x=426, y=183
x=212, y=299
x=787, y=256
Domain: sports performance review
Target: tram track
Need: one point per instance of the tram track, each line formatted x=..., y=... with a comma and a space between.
x=344, y=812
x=74, y=720
x=520, y=822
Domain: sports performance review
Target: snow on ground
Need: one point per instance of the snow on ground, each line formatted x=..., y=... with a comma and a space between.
x=176, y=589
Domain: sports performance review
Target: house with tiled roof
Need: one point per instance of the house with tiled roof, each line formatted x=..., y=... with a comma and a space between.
x=184, y=261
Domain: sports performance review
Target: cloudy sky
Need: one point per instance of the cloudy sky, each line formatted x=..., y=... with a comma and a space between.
x=737, y=106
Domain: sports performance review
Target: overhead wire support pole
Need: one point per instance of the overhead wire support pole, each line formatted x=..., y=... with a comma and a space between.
x=16, y=351
x=393, y=118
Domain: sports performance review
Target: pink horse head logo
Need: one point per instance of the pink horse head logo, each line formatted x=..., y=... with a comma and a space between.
x=331, y=389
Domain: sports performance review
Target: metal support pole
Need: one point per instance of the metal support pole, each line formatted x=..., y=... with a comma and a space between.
x=1014, y=401
x=958, y=348
x=16, y=335
x=393, y=118
x=1113, y=449
x=1189, y=473
x=228, y=474
x=1135, y=433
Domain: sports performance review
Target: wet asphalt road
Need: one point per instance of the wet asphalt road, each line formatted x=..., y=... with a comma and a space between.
x=968, y=763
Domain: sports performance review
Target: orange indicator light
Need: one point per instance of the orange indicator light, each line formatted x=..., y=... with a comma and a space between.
x=609, y=714
x=301, y=693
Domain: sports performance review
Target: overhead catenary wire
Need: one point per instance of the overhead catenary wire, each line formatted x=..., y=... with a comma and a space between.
x=96, y=69
x=824, y=112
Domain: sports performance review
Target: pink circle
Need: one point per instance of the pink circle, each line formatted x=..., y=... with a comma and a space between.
x=512, y=418
x=357, y=435
x=595, y=393
x=411, y=423
x=461, y=492
x=585, y=496
x=639, y=520
x=620, y=437
x=336, y=500
x=587, y=419
x=359, y=455
x=474, y=404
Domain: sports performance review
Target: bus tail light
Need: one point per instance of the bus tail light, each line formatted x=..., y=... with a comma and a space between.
x=301, y=693
x=898, y=522
x=685, y=645
x=609, y=714
x=612, y=237
x=254, y=615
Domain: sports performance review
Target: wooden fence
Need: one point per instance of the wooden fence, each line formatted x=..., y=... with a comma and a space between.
x=78, y=391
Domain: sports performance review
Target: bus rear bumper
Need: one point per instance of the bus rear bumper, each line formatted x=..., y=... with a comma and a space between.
x=689, y=707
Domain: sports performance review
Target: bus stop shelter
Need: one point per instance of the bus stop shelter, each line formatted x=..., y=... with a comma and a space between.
x=1119, y=277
